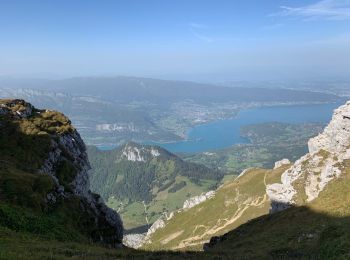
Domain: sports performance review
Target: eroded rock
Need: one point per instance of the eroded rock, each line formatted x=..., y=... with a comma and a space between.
x=310, y=174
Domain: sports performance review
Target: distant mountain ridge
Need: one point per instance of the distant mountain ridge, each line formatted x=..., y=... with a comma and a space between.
x=113, y=110
x=128, y=89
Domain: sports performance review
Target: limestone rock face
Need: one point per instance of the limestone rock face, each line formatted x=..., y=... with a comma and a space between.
x=281, y=163
x=159, y=223
x=71, y=147
x=310, y=174
x=336, y=136
x=190, y=203
x=138, y=153
x=134, y=240
x=68, y=148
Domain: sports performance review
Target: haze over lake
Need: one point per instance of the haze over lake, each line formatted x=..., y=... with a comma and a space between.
x=225, y=133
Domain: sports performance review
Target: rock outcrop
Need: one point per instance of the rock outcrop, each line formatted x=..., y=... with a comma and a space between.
x=336, y=136
x=281, y=163
x=310, y=174
x=190, y=203
x=134, y=240
x=66, y=157
x=139, y=153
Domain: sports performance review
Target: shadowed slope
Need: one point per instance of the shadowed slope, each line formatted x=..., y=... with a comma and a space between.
x=321, y=229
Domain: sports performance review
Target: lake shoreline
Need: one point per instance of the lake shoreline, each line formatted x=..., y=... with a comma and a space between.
x=202, y=137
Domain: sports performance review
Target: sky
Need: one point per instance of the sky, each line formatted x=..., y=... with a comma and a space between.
x=182, y=39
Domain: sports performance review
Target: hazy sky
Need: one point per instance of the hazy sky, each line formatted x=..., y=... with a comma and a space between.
x=248, y=39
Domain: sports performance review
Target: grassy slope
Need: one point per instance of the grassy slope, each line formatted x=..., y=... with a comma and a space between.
x=22, y=245
x=319, y=230
x=133, y=214
x=235, y=203
x=14, y=245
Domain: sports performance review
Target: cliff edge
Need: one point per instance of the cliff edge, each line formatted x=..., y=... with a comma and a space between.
x=44, y=174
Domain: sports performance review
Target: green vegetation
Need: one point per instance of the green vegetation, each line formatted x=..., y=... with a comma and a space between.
x=320, y=230
x=21, y=245
x=270, y=142
x=33, y=228
x=25, y=143
x=126, y=184
x=143, y=190
x=234, y=203
x=177, y=186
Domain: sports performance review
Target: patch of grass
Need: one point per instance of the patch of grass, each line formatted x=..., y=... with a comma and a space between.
x=21, y=245
x=24, y=189
x=24, y=220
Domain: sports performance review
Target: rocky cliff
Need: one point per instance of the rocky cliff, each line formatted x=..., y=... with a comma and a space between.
x=310, y=174
x=44, y=143
x=310, y=203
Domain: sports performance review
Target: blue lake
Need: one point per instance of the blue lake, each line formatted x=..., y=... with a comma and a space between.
x=225, y=133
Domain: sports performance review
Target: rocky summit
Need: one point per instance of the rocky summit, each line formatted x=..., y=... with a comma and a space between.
x=43, y=155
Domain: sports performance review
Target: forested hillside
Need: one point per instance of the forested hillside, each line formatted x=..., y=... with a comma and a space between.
x=144, y=181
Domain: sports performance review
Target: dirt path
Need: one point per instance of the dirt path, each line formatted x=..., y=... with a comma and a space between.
x=171, y=237
x=210, y=231
x=221, y=224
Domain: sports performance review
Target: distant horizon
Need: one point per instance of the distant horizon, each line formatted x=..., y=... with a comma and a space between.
x=205, y=79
